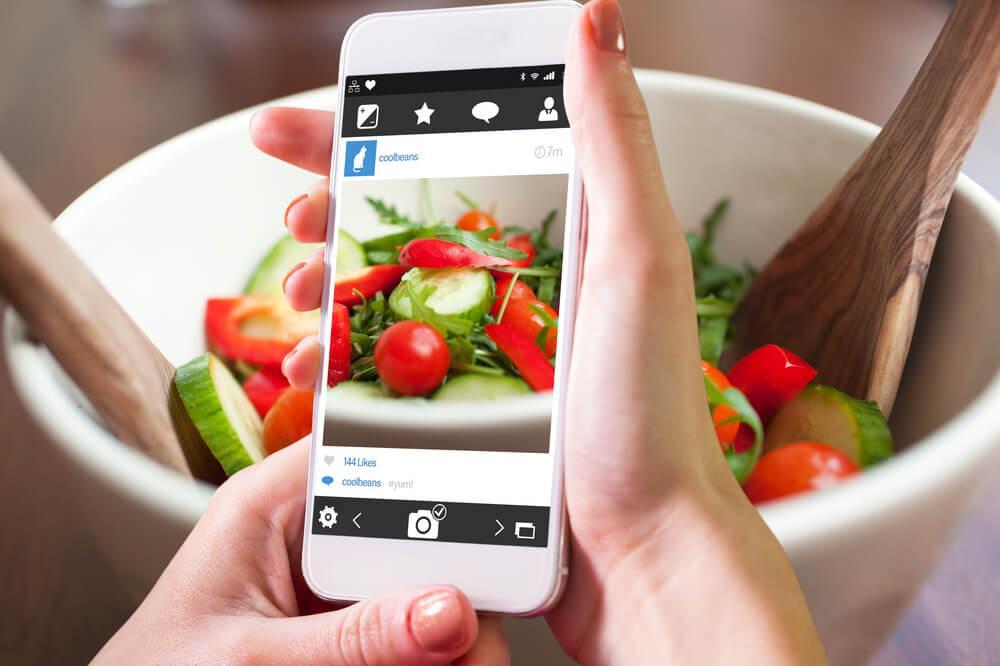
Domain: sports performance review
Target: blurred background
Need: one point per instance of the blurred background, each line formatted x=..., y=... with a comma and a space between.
x=86, y=85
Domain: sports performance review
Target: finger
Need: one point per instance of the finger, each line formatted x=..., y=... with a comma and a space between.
x=627, y=202
x=490, y=648
x=303, y=285
x=303, y=137
x=302, y=365
x=305, y=217
x=425, y=626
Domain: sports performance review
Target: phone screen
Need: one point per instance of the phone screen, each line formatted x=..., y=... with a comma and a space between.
x=451, y=192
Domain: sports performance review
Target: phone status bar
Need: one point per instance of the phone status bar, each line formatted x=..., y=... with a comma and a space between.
x=454, y=80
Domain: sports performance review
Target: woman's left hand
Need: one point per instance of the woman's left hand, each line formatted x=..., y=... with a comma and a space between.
x=234, y=593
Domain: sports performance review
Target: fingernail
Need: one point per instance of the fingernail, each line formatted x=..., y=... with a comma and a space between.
x=608, y=25
x=284, y=361
x=290, y=273
x=437, y=622
x=292, y=205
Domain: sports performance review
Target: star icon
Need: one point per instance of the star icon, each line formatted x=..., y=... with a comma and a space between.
x=424, y=114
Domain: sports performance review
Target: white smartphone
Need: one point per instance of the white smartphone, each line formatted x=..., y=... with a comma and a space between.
x=451, y=278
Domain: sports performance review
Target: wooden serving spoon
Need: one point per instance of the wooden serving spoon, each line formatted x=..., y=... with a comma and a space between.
x=122, y=373
x=843, y=292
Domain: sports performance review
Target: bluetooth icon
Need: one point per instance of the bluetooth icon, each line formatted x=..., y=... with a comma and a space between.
x=522, y=77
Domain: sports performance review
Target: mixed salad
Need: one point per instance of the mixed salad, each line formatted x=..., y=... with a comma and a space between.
x=470, y=311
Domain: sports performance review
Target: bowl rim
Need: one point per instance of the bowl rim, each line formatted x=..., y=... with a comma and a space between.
x=799, y=522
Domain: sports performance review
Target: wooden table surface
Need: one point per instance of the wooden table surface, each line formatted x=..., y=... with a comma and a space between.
x=85, y=86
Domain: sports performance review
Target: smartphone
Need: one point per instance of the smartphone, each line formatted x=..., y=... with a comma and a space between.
x=452, y=263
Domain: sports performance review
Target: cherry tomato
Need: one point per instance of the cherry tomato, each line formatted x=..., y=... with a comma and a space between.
x=411, y=358
x=520, y=290
x=524, y=244
x=477, y=220
x=288, y=420
x=523, y=314
x=795, y=468
x=725, y=429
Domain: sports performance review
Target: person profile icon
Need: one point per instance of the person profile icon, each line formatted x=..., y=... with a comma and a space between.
x=549, y=113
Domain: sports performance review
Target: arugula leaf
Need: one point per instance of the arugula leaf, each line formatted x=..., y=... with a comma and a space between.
x=710, y=306
x=467, y=201
x=541, y=271
x=465, y=356
x=712, y=337
x=447, y=325
x=547, y=289
x=743, y=463
x=479, y=241
x=718, y=287
x=389, y=215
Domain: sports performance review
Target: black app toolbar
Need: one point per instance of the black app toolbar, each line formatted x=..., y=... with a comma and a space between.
x=456, y=522
x=445, y=112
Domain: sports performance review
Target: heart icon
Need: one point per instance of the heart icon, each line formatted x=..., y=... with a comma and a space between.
x=370, y=83
x=328, y=460
x=327, y=480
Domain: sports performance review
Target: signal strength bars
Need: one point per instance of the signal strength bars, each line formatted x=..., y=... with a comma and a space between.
x=551, y=76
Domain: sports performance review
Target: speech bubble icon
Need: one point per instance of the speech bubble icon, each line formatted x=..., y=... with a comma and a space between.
x=485, y=111
x=327, y=480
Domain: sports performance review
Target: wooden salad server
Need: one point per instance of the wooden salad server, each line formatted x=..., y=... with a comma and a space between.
x=844, y=290
x=125, y=377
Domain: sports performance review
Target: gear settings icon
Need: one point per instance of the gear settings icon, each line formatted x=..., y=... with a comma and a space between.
x=327, y=517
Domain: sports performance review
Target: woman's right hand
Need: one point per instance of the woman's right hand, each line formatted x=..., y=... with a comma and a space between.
x=670, y=562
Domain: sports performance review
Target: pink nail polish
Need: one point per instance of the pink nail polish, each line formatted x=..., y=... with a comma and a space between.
x=292, y=205
x=437, y=621
x=608, y=25
x=295, y=268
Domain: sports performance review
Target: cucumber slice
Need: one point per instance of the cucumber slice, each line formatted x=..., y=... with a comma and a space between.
x=824, y=414
x=352, y=390
x=221, y=411
x=351, y=256
x=481, y=387
x=463, y=293
x=269, y=273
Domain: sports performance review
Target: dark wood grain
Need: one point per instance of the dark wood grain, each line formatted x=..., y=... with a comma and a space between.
x=844, y=290
x=84, y=87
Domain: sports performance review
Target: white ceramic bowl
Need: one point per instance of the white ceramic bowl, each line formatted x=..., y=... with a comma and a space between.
x=184, y=220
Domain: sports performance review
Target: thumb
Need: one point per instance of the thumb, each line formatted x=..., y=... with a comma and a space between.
x=627, y=202
x=422, y=626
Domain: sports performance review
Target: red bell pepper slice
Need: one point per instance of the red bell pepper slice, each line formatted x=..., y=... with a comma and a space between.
x=339, y=366
x=436, y=253
x=259, y=330
x=368, y=281
x=264, y=387
x=522, y=351
x=769, y=377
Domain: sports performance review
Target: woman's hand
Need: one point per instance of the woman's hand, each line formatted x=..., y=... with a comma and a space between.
x=234, y=594
x=670, y=562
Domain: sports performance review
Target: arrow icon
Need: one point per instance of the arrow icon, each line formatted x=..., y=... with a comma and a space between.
x=497, y=533
x=355, y=521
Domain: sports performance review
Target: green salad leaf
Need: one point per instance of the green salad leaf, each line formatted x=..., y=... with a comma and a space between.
x=718, y=287
x=478, y=241
x=741, y=463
